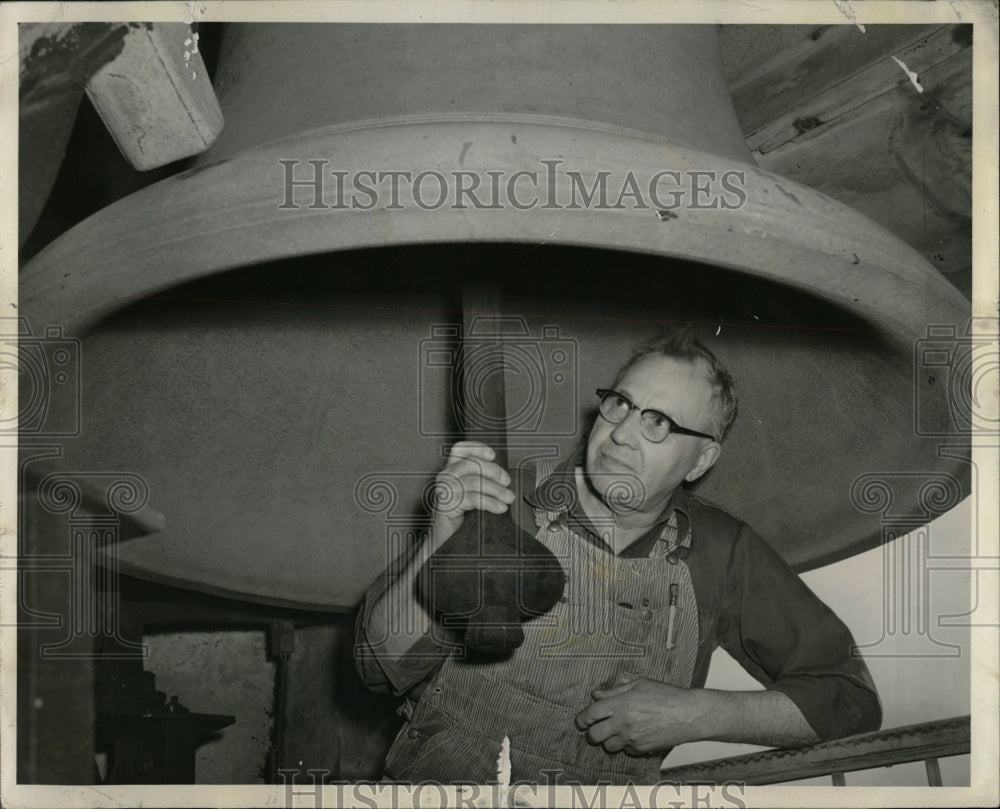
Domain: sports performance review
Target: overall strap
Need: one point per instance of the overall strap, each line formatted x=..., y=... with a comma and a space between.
x=526, y=478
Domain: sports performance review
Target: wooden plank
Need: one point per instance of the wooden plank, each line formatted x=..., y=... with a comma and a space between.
x=827, y=57
x=792, y=99
x=933, y=772
x=885, y=748
x=745, y=48
x=925, y=202
x=781, y=71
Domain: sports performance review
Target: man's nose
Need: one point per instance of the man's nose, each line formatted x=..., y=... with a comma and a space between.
x=626, y=432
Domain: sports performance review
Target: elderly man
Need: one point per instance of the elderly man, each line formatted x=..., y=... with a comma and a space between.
x=612, y=677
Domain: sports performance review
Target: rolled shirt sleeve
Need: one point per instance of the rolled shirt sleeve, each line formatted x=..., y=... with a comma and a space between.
x=790, y=641
x=377, y=668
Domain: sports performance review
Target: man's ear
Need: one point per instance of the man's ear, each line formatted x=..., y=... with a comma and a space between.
x=709, y=455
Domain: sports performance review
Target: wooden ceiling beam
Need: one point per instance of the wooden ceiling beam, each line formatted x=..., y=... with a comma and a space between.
x=804, y=87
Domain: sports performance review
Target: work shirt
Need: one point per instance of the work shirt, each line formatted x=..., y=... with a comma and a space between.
x=613, y=622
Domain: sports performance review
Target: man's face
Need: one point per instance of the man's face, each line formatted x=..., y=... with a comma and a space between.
x=620, y=459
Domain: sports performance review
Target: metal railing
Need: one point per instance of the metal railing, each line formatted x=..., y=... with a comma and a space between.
x=927, y=742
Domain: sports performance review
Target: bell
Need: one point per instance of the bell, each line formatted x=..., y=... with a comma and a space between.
x=269, y=338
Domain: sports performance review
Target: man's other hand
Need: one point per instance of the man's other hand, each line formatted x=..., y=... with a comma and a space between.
x=470, y=480
x=644, y=716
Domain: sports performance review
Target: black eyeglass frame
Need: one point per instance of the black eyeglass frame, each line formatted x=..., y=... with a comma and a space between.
x=604, y=393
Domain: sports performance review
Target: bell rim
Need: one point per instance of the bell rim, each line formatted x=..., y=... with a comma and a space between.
x=224, y=208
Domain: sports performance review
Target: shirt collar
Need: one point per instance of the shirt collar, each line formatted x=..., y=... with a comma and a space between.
x=557, y=493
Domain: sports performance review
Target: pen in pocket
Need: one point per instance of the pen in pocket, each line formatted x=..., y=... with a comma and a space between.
x=672, y=616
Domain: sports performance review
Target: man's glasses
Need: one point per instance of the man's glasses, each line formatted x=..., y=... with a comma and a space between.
x=654, y=425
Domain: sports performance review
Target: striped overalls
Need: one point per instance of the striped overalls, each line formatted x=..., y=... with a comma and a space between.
x=611, y=624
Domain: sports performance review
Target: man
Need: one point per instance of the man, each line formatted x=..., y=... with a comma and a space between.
x=612, y=678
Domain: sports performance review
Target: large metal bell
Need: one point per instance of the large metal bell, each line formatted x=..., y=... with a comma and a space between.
x=274, y=360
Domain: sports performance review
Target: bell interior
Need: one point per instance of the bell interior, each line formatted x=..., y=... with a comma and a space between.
x=289, y=417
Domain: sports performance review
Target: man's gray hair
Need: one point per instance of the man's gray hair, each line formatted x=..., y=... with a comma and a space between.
x=681, y=344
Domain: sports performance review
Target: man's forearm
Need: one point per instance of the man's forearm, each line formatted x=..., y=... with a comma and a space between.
x=767, y=718
x=646, y=715
x=469, y=481
x=398, y=620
